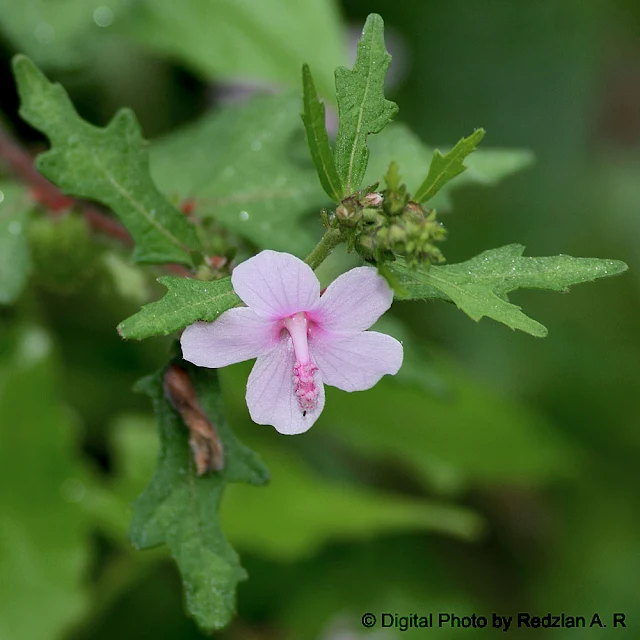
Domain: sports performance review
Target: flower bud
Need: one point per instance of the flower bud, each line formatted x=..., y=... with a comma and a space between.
x=373, y=199
x=397, y=235
x=348, y=213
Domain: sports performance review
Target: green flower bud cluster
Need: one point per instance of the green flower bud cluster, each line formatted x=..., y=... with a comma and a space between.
x=382, y=225
x=63, y=254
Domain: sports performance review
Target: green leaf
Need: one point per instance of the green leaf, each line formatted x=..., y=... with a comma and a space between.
x=479, y=286
x=417, y=364
x=246, y=167
x=185, y=302
x=397, y=142
x=44, y=537
x=300, y=511
x=55, y=34
x=447, y=167
x=288, y=530
x=108, y=164
x=362, y=106
x=469, y=433
x=180, y=509
x=318, y=139
x=15, y=261
x=260, y=42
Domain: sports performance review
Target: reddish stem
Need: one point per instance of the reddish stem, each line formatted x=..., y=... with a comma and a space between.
x=20, y=163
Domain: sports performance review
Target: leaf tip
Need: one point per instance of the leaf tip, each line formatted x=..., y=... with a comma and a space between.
x=25, y=71
x=617, y=267
x=21, y=61
x=375, y=20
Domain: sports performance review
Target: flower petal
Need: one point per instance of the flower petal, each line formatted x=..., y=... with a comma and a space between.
x=237, y=335
x=270, y=394
x=276, y=285
x=354, y=300
x=355, y=361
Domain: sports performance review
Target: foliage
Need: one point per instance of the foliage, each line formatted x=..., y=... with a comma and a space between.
x=185, y=302
x=15, y=259
x=41, y=485
x=363, y=109
x=246, y=168
x=109, y=165
x=479, y=286
x=229, y=39
x=313, y=116
x=180, y=509
x=483, y=166
x=445, y=168
x=392, y=481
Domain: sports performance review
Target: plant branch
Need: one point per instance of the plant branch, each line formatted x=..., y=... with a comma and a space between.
x=329, y=241
x=20, y=163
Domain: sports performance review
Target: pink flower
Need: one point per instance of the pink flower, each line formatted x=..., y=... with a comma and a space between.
x=301, y=340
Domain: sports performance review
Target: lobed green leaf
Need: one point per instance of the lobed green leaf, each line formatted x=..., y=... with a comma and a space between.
x=185, y=302
x=397, y=142
x=288, y=531
x=107, y=164
x=479, y=286
x=362, y=106
x=180, y=509
x=313, y=117
x=15, y=261
x=247, y=168
x=445, y=168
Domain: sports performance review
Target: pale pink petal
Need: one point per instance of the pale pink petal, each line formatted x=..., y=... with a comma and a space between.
x=237, y=335
x=354, y=301
x=270, y=395
x=355, y=361
x=276, y=285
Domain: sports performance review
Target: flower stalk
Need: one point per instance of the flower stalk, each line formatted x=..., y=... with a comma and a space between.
x=329, y=241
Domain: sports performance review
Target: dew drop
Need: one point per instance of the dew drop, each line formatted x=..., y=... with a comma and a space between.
x=103, y=16
x=229, y=172
x=35, y=345
x=256, y=145
x=45, y=33
x=244, y=216
x=1, y=196
x=72, y=490
x=15, y=228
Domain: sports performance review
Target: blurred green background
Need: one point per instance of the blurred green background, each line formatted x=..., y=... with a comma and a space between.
x=498, y=473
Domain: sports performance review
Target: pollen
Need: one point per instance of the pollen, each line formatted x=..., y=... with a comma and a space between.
x=304, y=386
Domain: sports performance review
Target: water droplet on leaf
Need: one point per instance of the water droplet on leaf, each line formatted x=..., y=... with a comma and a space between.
x=72, y=490
x=45, y=33
x=15, y=228
x=103, y=16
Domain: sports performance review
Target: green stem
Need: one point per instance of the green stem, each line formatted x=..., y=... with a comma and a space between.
x=329, y=241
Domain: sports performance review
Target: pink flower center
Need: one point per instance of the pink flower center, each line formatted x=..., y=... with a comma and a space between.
x=304, y=385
